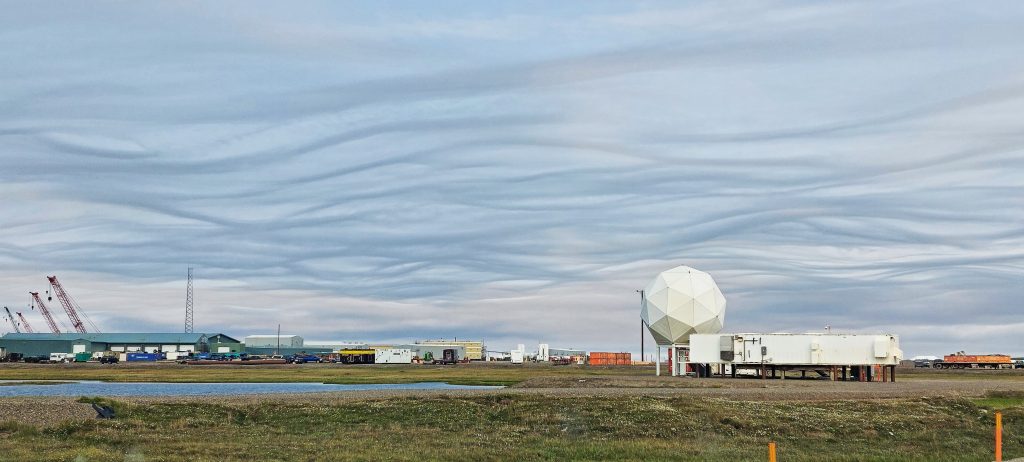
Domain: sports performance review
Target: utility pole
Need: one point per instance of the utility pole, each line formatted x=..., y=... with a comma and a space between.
x=189, y=321
x=278, y=350
x=641, y=325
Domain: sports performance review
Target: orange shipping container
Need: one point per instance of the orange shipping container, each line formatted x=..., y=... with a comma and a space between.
x=606, y=355
x=601, y=358
x=977, y=359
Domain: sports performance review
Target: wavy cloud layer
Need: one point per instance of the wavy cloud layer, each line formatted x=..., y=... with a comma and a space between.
x=514, y=174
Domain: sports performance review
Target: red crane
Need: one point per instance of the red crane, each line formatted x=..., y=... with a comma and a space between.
x=70, y=306
x=24, y=322
x=46, y=312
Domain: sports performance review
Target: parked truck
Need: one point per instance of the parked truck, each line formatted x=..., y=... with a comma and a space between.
x=961, y=360
x=448, y=356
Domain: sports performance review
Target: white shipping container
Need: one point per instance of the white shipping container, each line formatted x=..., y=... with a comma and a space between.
x=393, y=356
x=517, y=356
x=796, y=349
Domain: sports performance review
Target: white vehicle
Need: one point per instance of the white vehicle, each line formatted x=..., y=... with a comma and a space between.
x=61, y=357
x=516, y=356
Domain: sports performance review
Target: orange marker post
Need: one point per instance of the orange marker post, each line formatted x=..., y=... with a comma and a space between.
x=999, y=437
x=771, y=452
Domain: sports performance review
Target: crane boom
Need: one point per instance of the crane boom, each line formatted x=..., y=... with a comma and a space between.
x=68, y=303
x=11, y=318
x=25, y=323
x=46, y=312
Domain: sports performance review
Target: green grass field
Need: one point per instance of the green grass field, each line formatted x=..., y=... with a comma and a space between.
x=526, y=427
x=627, y=424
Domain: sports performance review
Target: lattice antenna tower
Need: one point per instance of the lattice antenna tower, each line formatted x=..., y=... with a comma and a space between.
x=189, y=312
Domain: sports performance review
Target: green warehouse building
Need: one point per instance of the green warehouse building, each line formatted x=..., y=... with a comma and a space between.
x=44, y=344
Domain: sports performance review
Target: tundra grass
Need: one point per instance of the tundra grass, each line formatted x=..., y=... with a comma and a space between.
x=463, y=374
x=33, y=382
x=473, y=374
x=999, y=400
x=525, y=427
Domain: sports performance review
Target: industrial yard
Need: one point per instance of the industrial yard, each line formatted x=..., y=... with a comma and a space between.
x=546, y=412
x=715, y=396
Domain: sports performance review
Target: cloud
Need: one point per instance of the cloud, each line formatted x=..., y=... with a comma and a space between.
x=514, y=175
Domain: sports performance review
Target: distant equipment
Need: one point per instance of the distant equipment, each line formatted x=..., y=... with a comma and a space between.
x=189, y=321
x=961, y=360
x=680, y=302
x=448, y=356
x=46, y=312
x=71, y=307
x=393, y=356
x=24, y=322
x=11, y=319
x=543, y=351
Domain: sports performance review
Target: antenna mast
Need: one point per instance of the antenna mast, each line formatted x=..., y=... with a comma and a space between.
x=189, y=312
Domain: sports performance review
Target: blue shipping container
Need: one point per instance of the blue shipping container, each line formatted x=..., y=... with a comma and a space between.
x=143, y=356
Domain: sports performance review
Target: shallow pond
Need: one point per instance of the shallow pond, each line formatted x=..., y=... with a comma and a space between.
x=91, y=388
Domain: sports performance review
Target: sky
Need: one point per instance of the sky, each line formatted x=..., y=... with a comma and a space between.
x=513, y=172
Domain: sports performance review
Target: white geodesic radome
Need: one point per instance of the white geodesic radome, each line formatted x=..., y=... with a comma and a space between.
x=680, y=302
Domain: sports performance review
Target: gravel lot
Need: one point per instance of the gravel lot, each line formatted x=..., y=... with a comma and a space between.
x=44, y=411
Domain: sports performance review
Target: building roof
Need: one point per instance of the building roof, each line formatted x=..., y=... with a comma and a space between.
x=161, y=337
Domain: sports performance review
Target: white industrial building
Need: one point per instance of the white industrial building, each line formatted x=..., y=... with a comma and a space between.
x=836, y=355
x=475, y=350
x=273, y=340
x=335, y=344
x=684, y=310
